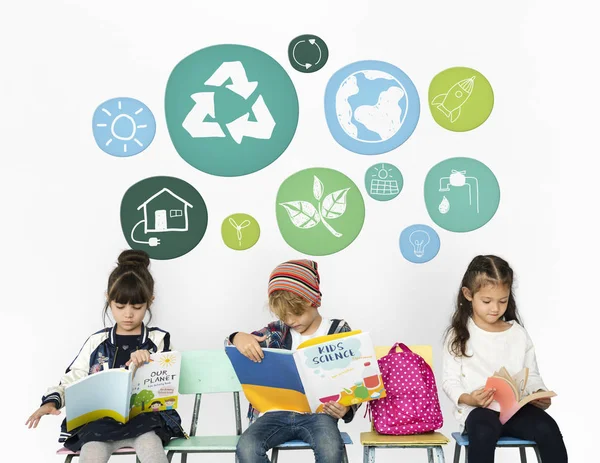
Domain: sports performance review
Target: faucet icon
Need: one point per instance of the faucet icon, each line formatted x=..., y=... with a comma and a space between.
x=459, y=179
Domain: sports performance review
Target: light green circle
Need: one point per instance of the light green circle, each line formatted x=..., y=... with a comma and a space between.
x=461, y=194
x=319, y=211
x=460, y=99
x=383, y=181
x=240, y=231
x=231, y=110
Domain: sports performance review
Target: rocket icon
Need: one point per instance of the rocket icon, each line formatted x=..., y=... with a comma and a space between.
x=450, y=103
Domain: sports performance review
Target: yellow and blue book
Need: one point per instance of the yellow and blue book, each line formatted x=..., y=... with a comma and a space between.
x=122, y=394
x=339, y=368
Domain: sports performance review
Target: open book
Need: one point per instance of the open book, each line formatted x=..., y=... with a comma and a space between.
x=335, y=368
x=510, y=392
x=122, y=393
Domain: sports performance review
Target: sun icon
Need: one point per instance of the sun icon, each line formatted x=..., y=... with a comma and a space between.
x=167, y=360
x=123, y=127
x=382, y=172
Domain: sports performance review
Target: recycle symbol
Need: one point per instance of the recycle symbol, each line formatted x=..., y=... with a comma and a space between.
x=196, y=125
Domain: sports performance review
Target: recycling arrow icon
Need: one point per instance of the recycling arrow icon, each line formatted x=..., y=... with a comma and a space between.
x=230, y=109
x=308, y=53
x=197, y=126
x=307, y=65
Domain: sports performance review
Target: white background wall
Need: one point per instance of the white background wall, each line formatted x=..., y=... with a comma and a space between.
x=60, y=194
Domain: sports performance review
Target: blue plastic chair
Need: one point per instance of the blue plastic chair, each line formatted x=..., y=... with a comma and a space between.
x=207, y=372
x=300, y=445
x=521, y=444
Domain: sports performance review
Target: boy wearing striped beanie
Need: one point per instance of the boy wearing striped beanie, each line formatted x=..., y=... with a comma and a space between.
x=294, y=297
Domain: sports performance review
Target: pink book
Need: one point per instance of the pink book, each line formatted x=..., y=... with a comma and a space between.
x=510, y=392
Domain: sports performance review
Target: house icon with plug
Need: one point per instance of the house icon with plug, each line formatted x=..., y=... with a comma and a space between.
x=165, y=212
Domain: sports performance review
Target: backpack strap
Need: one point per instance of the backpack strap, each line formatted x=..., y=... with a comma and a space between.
x=401, y=346
x=336, y=324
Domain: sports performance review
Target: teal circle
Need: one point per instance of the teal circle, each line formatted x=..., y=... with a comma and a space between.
x=383, y=181
x=231, y=110
x=461, y=194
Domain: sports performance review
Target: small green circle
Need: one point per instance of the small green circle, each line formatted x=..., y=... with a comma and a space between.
x=231, y=110
x=308, y=53
x=461, y=194
x=460, y=99
x=164, y=216
x=240, y=231
x=319, y=211
x=383, y=181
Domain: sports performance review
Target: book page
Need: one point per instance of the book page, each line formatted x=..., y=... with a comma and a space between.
x=340, y=369
x=537, y=395
x=520, y=382
x=272, y=384
x=155, y=385
x=103, y=394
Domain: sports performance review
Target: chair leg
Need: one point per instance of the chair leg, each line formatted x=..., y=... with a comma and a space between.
x=170, y=456
x=456, y=453
x=523, y=454
x=68, y=459
x=537, y=453
x=439, y=453
x=345, y=455
x=430, y=455
x=137, y=459
x=368, y=454
x=184, y=458
x=274, y=455
x=467, y=454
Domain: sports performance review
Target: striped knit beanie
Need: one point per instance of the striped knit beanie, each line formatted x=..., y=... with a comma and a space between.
x=300, y=277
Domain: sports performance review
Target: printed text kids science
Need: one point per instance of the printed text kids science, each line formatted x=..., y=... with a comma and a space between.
x=332, y=352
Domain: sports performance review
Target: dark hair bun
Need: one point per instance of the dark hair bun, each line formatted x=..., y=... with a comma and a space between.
x=134, y=258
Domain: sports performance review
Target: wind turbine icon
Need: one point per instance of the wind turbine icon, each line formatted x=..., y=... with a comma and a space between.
x=244, y=224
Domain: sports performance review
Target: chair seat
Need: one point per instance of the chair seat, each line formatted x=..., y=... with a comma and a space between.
x=502, y=442
x=298, y=444
x=124, y=450
x=373, y=439
x=203, y=444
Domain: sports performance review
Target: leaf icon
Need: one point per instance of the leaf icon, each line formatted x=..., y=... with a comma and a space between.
x=318, y=188
x=302, y=214
x=334, y=204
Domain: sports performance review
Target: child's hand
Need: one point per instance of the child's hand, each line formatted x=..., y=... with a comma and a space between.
x=543, y=403
x=248, y=345
x=335, y=409
x=46, y=409
x=482, y=397
x=138, y=358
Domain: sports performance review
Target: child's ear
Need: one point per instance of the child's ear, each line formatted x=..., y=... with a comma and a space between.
x=467, y=293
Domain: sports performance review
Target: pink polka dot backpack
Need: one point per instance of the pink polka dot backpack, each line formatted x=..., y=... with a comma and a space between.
x=411, y=405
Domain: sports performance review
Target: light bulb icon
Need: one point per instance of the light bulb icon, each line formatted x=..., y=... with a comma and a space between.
x=419, y=239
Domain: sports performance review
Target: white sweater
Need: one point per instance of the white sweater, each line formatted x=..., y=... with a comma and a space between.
x=488, y=351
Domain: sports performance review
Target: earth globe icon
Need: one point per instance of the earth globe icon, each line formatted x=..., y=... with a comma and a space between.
x=371, y=105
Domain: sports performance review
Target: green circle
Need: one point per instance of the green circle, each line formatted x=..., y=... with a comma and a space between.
x=164, y=216
x=240, y=231
x=460, y=99
x=308, y=53
x=383, y=181
x=461, y=194
x=231, y=110
x=319, y=211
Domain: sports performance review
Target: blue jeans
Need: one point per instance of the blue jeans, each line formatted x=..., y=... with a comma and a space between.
x=318, y=430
